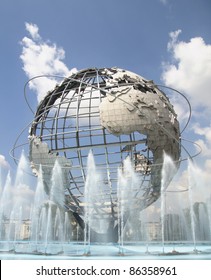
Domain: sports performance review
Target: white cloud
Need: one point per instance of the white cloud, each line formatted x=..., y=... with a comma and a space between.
x=3, y=162
x=205, y=138
x=42, y=58
x=189, y=69
x=33, y=30
x=164, y=2
x=173, y=39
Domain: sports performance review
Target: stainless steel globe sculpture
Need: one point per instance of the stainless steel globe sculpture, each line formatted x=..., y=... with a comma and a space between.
x=116, y=114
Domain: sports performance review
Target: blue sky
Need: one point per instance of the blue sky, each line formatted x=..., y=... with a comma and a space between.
x=168, y=41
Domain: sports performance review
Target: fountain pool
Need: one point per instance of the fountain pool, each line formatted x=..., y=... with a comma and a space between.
x=75, y=250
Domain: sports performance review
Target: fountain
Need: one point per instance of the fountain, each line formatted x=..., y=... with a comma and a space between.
x=4, y=207
x=168, y=171
x=127, y=187
x=192, y=183
x=37, y=211
x=51, y=230
x=89, y=200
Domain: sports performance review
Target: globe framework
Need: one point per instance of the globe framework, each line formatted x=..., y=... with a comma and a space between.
x=116, y=114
